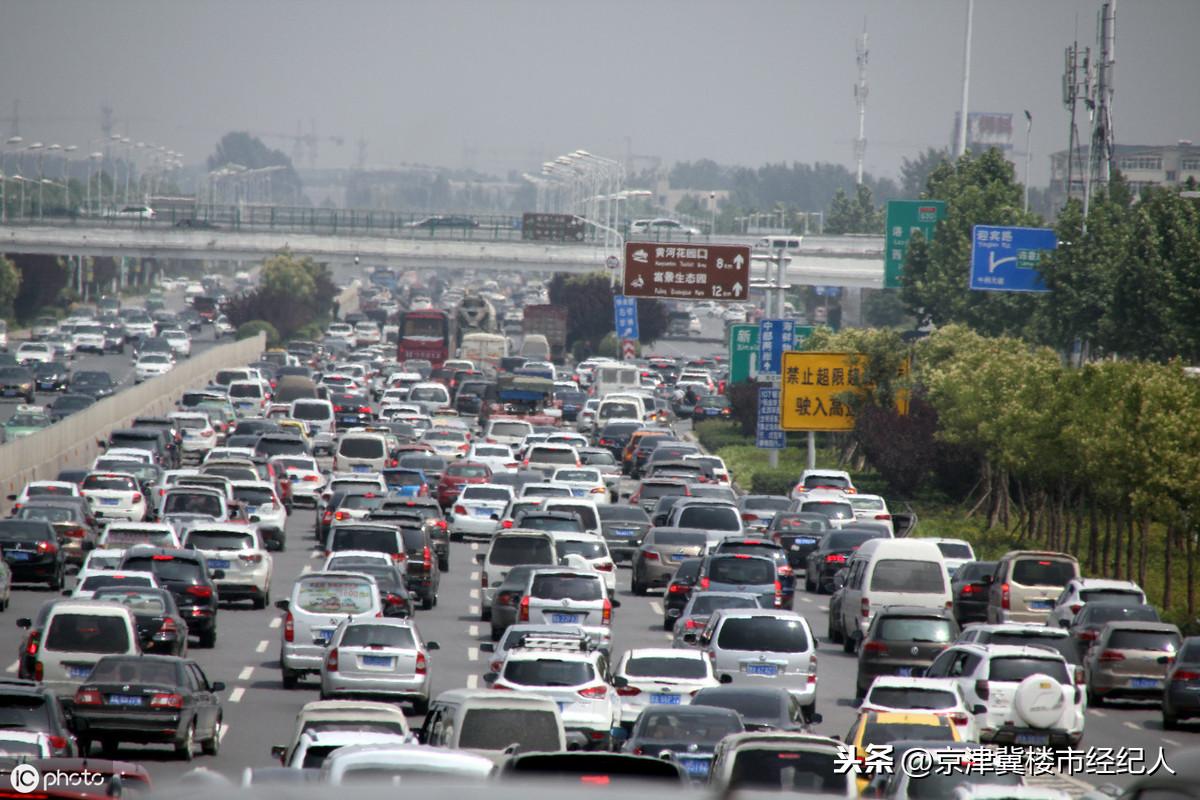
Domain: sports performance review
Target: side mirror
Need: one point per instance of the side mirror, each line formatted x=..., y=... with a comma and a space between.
x=619, y=682
x=614, y=602
x=432, y=646
x=278, y=751
x=217, y=574
x=490, y=677
x=217, y=686
x=24, y=623
x=282, y=605
x=726, y=678
x=1164, y=660
x=979, y=709
x=487, y=647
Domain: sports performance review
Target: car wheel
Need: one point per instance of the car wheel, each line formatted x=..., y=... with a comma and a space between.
x=1170, y=722
x=290, y=679
x=420, y=706
x=444, y=564
x=212, y=746
x=835, y=635
x=1094, y=700
x=109, y=748
x=428, y=601
x=185, y=748
x=848, y=643
x=669, y=624
x=496, y=633
x=485, y=613
x=808, y=712
x=56, y=583
x=85, y=747
x=208, y=639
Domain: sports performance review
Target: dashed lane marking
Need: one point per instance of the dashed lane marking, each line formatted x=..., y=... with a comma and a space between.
x=224, y=730
x=1171, y=742
x=307, y=569
x=236, y=695
x=317, y=554
x=473, y=610
x=474, y=545
x=473, y=653
x=472, y=681
x=670, y=637
x=261, y=647
x=1097, y=712
x=1132, y=725
x=656, y=606
x=473, y=630
x=474, y=593
x=275, y=623
x=13, y=666
x=475, y=575
x=245, y=674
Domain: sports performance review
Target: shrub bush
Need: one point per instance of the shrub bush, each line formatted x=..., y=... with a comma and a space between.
x=715, y=434
x=773, y=481
x=256, y=326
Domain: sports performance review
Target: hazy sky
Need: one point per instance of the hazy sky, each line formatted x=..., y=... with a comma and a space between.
x=739, y=81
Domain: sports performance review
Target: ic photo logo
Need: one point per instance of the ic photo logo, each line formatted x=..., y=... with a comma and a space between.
x=25, y=778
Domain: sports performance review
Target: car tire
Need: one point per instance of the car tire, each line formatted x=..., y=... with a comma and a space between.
x=1094, y=700
x=496, y=633
x=428, y=601
x=1170, y=722
x=208, y=639
x=485, y=614
x=261, y=600
x=56, y=583
x=808, y=712
x=636, y=586
x=444, y=564
x=848, y=644
x=835, y=635
x=290, y=679
x=109, y=748
x=420, y=706
x=669, y=624
x=185, y=748
x=212, y=746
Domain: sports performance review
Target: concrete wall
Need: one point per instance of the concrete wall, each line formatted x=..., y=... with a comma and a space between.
x=72, y=441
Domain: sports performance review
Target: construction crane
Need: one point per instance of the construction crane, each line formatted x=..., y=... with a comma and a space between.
x=302, y=143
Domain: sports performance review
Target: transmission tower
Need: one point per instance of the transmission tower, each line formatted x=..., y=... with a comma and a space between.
x=860, y=97
x=1102, y=133
x=1075, y=87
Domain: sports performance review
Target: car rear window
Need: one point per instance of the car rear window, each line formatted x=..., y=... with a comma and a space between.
x=379, y=540
x=192, y=503
x=827, y=509
x=915, y=629
x=675, y=539
x=1017, y=668
x=24, y=711
x=710, y=518
x=768, y=503
x=484, y=493
x=586, y=514
x=378, y=636
x=1108, y=612
x=792, y=770
x=361, y=447
x=87, y=633
x=1114, y=596
x=611, y=513
x=665, y=666
x=509, y=551
x=548, y=672
x=1043, y=572
x=140, y=603
x=126, y=537
x=312, y=412
x=955, y=550
x=586, y=549
x=514, y=429
x=1063, y=645
x=335, y=596
x=1161, y=641
x=93, y=582
x=826, y=481
x=107, y=483
x=706, y=603
x=468, y=470
x=551, y=455
x=769, y=634
x=566, y=587
x=170, y=568
x=653, y=491
x=497, y=728
x=877, y=733
x=744, y=570
x=917, y=699
x=219, y=540
x=48, y=513
x=130, y=670
x=749, y=704
x=908, y=575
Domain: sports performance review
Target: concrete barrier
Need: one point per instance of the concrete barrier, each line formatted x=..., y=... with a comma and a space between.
x=71, y=442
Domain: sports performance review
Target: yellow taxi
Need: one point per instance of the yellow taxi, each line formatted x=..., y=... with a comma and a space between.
x=885, y=727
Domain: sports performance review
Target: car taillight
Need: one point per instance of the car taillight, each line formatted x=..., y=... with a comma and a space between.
x=865, y=608
x=1185, y=675
x=201, y=592
x=58, y=742
x=594, y=693
x=876, y=648
x=399, y=557
x=523, y=614
x=883, y=516
x=206, y=432
x=1112, y=655
x=251, y=558
x=1075, y=607
x=168, y=626
x=600, y=490
x=749, y=517
x=327, y=516
x=1087, y=636
x=981, y=689
x=47, y=547
x=31, y=649
x=331, y=660
x=460, y=509
x=87, y=697
x=677, y=588
x=629, y=691
x=289, y=628
x=704, y=582
x=785, y=571
x=606, y=566
x=137, y=497
x=835, y=558
x=166, y=700
x=311, y=478
x=75, y=533
x=778, y=593
x=395, y=462
x=427, y=557
x=508, y=523
x=967, y=589
x=606, y=615
x=960, y=718
x=422, y=664
x=1005, y=597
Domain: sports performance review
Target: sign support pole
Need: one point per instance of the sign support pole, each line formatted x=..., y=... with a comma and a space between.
x=812, y=450
x=775, y=311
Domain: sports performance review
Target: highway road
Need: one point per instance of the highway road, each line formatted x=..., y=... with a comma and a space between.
x=259, y=712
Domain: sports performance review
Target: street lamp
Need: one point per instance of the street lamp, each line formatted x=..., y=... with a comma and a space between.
x=94, y=158
x=35, y=147
x=66, y=179
x=1028, y=154
x=12, y=140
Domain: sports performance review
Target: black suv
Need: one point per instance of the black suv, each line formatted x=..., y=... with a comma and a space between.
x=151, y=439
x=29, y=706
x=903, y=641
x=184, y=573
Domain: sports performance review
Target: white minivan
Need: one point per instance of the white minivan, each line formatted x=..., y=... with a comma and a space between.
x=319, y=603
x=361, y=452
x=318, y=416
x=77, y=634
x=891, y=572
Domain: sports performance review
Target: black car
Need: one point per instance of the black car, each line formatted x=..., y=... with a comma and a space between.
x=427, y=512
x=679, y=590
x=689, y=732
x=51, y=377
x=67, y=404
x=902, y=641
x=615, y=435
x=798, y=533
x=158, y=442
x=17, y=382
x=969, y=589
x=831, y=555
x=761, y=708
x=161, y=628
x=1181, y=689
x=623, y=528
x=422, y=573
x=94, y=382
x=31, y=549
x=351, y=409
x=184, y=573
x=30, y=706
x=148, y=699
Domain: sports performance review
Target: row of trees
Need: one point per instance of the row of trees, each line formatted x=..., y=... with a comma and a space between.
x=590, y=319
x=295, y=297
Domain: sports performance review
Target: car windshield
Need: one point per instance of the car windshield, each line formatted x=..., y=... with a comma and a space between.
x=319, y=595
x=379, y=540
x=165, y=567
x=911, y=697
x=915, y=629
x=1014, y=669
x=566, y=587
x=135, y=671
x=907, y=575
x=589, y=550
x=87, y=633
x=48, y=513
x=666, y=667
x=633, y=514
x=548, y=672
x=710, y=518
x=828, y=509
x=752, y=705
x=1043, y=572
x=676, y=539
x=793, y=770
x=533, y=730
x=484, y=493
x=140, y=603
x=1125, y=597
x=767, y=634
x=378, y=636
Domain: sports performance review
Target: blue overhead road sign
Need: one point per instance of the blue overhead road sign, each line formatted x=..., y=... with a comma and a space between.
x=625, y=309
x=1006, y=259
x=775, y=337
x=768, y=434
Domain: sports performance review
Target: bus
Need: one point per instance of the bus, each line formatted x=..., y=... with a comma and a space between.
x=424, y=334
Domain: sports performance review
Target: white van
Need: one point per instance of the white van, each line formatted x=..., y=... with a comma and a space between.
x=77, y=634
x=484, y=349
x=535, y=347
x=487, y=721
x=318, y=416
x=361, y=452
x=620, y=406
x=789, y=243
x=611, y=378
x=321, y=601
x=892, y=572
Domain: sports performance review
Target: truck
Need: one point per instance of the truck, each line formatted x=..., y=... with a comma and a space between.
x=474, y=315
x=549, y=321
x=485, y=349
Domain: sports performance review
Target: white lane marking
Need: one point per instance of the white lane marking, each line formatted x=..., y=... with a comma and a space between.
x=475, y=575
x=473, y=630
x=656, y=606
x=13, y=666
x=472, y=610
x=1171, y=742
x=1097, y=712
x=807, y=599
x=236, y=695
x=307, y=569
x=245, y=674
x=261, y=647
x=474, y=593
x=275, y=623
x=317, y=554
x=473, y=653
x=224, y=730
x=1132, y=726
x=472, y=681
x=474, y=545
x=669, y=636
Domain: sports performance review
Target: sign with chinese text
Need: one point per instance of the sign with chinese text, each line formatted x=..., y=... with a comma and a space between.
x=905, y=217
x=813, y=388
x=1005, y=259
x=768, y=433
x=743, y=353
x=552, y=227
x=687, y=271
x=775, y=337
x=625, y=313
x=801, y=333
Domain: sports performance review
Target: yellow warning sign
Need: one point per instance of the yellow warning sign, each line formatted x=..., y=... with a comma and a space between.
x=815, y=386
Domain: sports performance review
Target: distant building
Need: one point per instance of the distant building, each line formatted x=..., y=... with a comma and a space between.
x=1140, y=165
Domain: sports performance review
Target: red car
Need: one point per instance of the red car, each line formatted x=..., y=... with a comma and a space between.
x=457, y=475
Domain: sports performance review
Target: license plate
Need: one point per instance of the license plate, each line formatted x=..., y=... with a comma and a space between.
x=623, y=532
x=124, y=700
x=377, y=661
x=564, y=619
x=322, y=637
x=762, y=669
x=18, y=555
x=803, y=540
x=1146, y=683
x=1033, y=738
x=360, y=468
x=664, y=699
x=696, y=767
x=482, y=512
x=78, y=672
x=578, y=492
x=905, y=672
x=1041, y=605
x=678, y=556
x=218, y=563
x=109, y=501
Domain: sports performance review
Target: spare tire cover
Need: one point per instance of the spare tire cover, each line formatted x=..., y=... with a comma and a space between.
x=1039, y=701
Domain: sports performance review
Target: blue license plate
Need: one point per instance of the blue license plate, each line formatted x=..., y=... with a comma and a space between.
x=622, y=532
x=322, y=636
x=377, y=661
x=578, y=492
x=124, y=700
x=664, y=700
x=360, y=468
x=678, y=556
x=1034, y=739
x=804, y=540
x=482, y=512
x=564, y=619
x=905, y=672
x=1040, y=605
x=1146, y=683
x=696, y=767
x=78, y=672
x=218, y=563
x=18, y=555
x=109, y=501
x=762, y=669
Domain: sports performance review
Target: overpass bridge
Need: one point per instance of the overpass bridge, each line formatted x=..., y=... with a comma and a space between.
x=380, y=239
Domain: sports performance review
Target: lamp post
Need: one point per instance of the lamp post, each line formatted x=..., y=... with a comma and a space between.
x=4, y=177
x=1028, y=154
x=35, y=147
x=42, y=178
x=66, y=178
x=96, y=157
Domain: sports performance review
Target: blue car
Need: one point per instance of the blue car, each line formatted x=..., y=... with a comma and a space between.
x=406, y=482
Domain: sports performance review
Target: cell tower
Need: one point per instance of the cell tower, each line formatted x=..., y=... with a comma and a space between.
x=1100, y=154
x=860, y=98
x=1075, y=88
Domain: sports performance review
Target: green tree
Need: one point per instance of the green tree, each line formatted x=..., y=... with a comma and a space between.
x=10, y=286
x=242, y=149
x=854, y=215
x=914, y=172
x=293, y=293
x=589, y=303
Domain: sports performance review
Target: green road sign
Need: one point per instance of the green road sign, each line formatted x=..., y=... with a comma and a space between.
x=903, y=218
x=743, y=353
x=803, y=332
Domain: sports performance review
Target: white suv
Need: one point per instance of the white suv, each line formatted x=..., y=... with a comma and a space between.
x=1019, y=695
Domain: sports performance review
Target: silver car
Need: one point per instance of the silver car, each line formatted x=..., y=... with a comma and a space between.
x=384, y=657
x=566, y=597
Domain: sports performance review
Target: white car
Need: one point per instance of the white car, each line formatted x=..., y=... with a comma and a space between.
x=114, y=495
x=498, y=457
x=99, y=561
x=262, y=504
x=152, y=365
x=123, y=535
x=116, y=454
x=237, y=551
x=720, y=471
x=199, y=435
x=137, y=212
x=35, y=353
x=873, y=508
x=89, y=339
x=834, y=480
x=44, y=490
x=955, y=552
x=593, y=553
x=662, y=226
x=660, y=676
x=584, y=483
x=478, y=509
x=448, y=442
x=1080, y=591
x=87, y=585
x=339, y=330
x=180, y=341
x=940, y=696
x=305, y=476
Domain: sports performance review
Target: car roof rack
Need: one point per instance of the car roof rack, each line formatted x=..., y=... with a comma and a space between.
x=564, y=642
